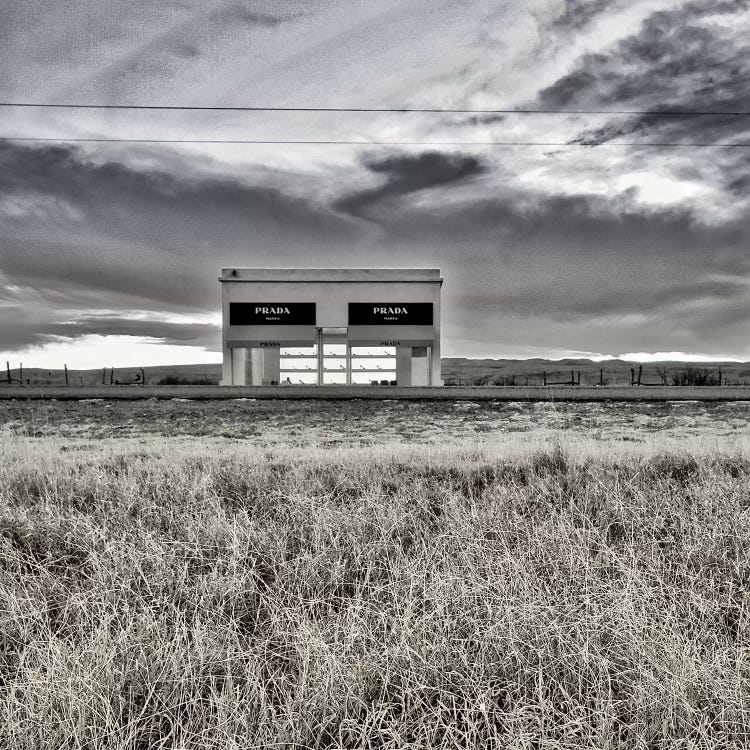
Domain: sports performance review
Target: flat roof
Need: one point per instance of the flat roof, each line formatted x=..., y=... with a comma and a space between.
x=331, y=274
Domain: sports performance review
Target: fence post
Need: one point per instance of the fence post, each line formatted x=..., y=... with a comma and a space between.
x=544, y=378
x=111, y=375
x=640, y=370
x=104, y=375
x=7, y=369
x=632, y=375
x=66, y=374
x=601, y=377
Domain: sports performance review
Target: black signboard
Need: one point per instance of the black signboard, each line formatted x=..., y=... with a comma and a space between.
x=390, y=313
x=271, y=313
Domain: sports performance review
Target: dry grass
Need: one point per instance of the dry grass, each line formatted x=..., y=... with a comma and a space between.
x=373, y=423
x=228, y=597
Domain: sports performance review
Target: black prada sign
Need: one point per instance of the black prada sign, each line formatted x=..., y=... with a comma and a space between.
x=390, y=313
x=271, y=313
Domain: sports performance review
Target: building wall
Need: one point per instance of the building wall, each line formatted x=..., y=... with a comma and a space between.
x=332, y=290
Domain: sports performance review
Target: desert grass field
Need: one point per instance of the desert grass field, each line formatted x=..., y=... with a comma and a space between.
x=374, y=575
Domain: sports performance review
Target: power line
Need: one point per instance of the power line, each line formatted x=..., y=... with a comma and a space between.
x=425, y=110
x=372, y=143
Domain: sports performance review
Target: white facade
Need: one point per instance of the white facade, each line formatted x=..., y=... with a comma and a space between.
x=319, y=326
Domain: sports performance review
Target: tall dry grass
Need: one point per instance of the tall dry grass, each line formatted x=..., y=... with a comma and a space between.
x=188, y=597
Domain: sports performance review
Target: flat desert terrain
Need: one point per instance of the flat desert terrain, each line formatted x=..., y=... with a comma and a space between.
x=551, y=394
x=317, y=423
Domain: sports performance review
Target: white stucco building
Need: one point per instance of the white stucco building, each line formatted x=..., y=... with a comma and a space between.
x=331, y=326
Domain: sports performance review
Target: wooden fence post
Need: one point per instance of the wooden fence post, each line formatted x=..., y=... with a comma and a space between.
x=20, y=375
x=544, y=378
x=601, y=377
x=7, y=369
x=111, y=375
x=104, y=375
x=632, y=375
x=66, y=374
x=640, y=370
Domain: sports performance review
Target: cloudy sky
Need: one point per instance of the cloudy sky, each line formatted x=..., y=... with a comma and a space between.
x=610, y=243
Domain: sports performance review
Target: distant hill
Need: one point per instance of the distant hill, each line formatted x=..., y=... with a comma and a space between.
x=461, y=371
x=456, y=371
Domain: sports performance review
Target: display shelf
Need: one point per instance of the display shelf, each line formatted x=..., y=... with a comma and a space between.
x=338, y=356
x=337, y=369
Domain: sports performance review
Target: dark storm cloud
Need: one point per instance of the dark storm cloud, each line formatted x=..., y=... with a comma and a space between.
x=249, y=14
x=149, y=234
x=473, y=120
x=18, y=330
x=123, y=238
x=591, y=224
x=99, y=189
x=669, y=47
x=192, y=334
x=735, y=175
x=655, y=296
x=484, y=119
x=739, y=186
x=186, y=50
x=579, y=258
x=577, y=14
x=407, y=174
x=678, y=60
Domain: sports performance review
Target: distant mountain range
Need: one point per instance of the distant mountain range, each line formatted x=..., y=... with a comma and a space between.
x=461, y=371
x=456, y=371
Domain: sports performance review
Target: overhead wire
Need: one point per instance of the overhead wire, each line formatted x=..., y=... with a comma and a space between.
x=371, y=110
x=368, y=110
x=371, y=143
